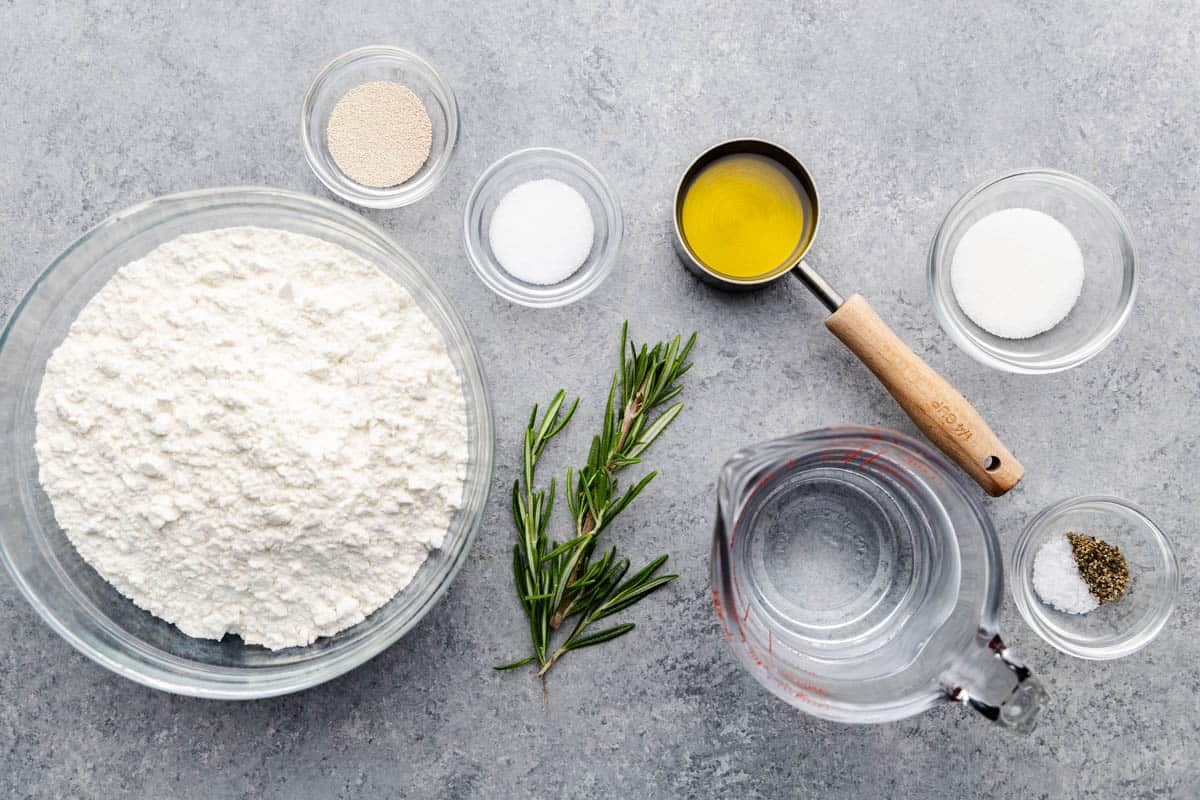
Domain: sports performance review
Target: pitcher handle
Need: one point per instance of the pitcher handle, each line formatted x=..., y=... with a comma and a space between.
x=990, y=681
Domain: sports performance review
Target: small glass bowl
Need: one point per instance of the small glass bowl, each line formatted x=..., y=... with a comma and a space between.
x=379, y=63
x=1110, y=271
x=533, y=164
x=1114, y=629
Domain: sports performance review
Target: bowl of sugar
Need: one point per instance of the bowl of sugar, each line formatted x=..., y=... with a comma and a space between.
x=1034, y=272
x=542, y=227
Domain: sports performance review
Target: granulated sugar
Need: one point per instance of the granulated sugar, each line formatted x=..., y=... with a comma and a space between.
x=380, y=134
x=1017, y=273
x=541, y=231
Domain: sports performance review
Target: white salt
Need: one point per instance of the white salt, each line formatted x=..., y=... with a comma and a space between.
x=1017, y=273
x=541, y=231
x=1056, y=578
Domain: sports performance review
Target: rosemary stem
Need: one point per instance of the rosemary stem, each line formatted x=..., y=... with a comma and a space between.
x=631, y=412
x=557, y=580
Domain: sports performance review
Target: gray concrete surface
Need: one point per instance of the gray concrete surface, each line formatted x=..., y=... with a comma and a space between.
x=897, y=111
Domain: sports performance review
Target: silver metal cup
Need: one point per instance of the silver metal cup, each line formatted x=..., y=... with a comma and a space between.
x=795, y=263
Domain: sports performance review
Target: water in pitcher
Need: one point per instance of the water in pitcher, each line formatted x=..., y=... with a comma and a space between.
x=858, y=578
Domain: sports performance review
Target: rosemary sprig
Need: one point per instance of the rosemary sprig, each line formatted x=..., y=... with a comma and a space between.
x=560, y=580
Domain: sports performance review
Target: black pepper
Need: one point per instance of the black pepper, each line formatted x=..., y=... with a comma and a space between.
x=1102, y=566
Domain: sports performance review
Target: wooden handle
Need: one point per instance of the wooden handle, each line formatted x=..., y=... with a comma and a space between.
x=939, y=410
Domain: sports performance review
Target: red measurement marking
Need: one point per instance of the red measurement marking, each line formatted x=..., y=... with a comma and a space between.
x=853, y=455
x=771, y=642
x=754, y=656
x=872, y=458
x=804, y=698
x=810, y=687
x=716, y=600
x=746, y=613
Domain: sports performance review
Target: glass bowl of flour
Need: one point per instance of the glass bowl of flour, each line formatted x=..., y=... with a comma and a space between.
x=1023, y=312
x=254, y=414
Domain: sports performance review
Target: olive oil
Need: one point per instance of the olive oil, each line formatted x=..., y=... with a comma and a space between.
x=745, y=216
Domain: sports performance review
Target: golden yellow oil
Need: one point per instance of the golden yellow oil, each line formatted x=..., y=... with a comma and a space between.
x=744, y=215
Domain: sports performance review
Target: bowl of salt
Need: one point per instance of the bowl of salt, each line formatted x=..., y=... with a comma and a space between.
x=542, y=227
x=1034, y=272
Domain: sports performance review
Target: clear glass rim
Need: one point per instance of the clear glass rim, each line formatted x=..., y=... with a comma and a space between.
x=392, y=196
x=180, y=676
x=1030, y=607
x=494, y=277
x=984, y=355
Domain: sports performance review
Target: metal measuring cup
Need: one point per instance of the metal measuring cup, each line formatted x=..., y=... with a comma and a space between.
x=937, y=408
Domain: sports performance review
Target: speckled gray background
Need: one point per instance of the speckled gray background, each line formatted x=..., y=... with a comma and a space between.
x=897, y=112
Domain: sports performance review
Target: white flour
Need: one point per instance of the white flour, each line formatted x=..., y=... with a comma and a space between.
x=254, y=432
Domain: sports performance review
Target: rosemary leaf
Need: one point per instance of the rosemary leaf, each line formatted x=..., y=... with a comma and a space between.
x=598, y=638
x=565, y=546
x=520, y=662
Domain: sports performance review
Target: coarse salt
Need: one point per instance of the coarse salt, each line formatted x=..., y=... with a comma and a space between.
x=541, y=231
x=1017, y=273
x=1057, y=580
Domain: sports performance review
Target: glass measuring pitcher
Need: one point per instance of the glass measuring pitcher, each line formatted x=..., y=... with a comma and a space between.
x=857, y=577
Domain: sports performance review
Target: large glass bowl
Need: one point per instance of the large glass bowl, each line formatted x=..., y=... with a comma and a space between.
x=80, y=605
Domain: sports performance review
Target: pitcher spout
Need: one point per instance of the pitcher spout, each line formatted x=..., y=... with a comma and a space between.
x=989, y=680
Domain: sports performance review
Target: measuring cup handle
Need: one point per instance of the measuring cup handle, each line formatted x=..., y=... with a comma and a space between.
x=934, y=405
